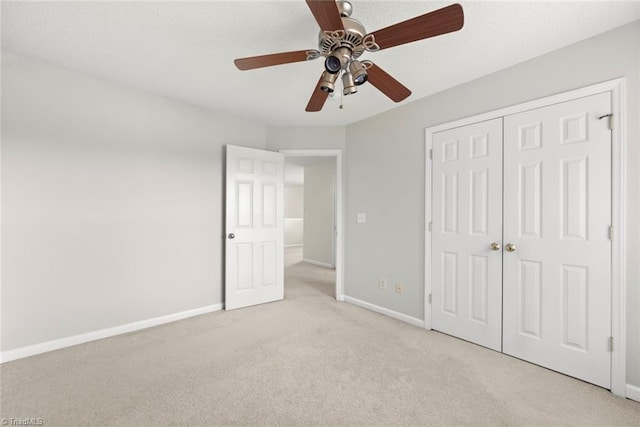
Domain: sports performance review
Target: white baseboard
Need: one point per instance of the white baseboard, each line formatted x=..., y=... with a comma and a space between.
x=294, y=245
x=340, y=297
x=32, y=350
x=320, y=263
x=394, y=314
x=633, y=392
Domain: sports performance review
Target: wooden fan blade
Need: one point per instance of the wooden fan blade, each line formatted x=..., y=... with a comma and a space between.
x=386, y=84
x=441, y=21
x=318, y=98
x=275, y=59
x=326, y=14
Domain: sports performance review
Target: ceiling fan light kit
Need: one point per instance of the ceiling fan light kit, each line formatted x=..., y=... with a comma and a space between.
x=359, y=73
x=348, y=86
x=328, y=81
x=338, y=60
x=342, y=40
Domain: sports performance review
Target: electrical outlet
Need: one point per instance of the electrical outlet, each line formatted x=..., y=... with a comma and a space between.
x=382, y=283
x=399, y=288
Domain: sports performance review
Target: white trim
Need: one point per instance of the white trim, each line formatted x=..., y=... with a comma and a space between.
x=385, y=311
x=319, y=263
x=633, y=392
x=32, y=350
x=427, y=233
x=1, y=258
x=618, y=253
x=618, y=245
x=530, y=105
x=339, y=209
x=294, y=245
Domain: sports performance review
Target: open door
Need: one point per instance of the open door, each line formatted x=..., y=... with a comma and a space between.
x=254, y=256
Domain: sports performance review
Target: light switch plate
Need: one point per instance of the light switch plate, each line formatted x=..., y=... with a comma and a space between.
x=361, y=218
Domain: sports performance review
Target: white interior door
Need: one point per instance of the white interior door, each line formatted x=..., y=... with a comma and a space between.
x=467, y=220
x=557, y=212
x=254, y=257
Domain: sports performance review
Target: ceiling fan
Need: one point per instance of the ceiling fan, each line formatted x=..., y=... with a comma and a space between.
x=343, y=40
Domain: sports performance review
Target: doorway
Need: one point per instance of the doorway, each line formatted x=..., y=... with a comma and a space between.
x=313, y=228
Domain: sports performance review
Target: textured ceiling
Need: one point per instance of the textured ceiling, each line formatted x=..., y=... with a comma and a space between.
x=185, y=50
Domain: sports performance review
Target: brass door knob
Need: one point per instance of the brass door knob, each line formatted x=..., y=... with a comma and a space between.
x=510, y=247
x=495, y=246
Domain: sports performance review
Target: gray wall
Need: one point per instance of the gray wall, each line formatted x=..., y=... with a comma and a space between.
x=318, y=212
x=386, y=168
x=293, y=215
x=305, y=137
x=294, y=201
x=112, y=203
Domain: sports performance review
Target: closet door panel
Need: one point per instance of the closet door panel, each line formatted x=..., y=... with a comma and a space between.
x=467, y=219
x=557, y=212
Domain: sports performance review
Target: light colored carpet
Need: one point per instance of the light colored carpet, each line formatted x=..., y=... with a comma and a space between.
x=307, y=360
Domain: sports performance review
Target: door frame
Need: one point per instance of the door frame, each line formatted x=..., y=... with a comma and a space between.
x=339, y=245
x=618, y=188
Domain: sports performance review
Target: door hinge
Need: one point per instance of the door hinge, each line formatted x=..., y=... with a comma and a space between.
x=430, y=225
x=611, y=232
x=431, y=154
x=610, y=117
x=610, y=343
x=429, y=298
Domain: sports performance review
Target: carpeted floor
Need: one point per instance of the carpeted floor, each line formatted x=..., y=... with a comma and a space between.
x=307, y=360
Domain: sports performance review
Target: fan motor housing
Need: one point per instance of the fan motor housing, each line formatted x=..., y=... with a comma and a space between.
x=350, y=38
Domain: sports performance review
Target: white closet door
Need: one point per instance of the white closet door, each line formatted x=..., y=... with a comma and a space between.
x=467, y=219
x=557, y=212
x=254, y=255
